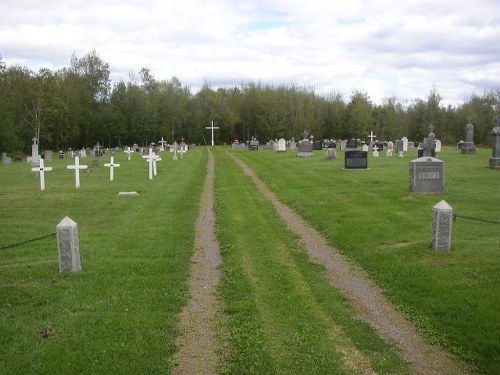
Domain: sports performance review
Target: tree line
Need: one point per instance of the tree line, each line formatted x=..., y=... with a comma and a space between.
x=78, y=106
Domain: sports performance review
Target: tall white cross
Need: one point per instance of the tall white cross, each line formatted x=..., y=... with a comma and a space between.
x=212, y=127
x=77, y=168
x=111, y=166
x=128, y=152
x=150, y=158
x=162, y=143
x=155, y=159
x=41, y=169
x=371, y=136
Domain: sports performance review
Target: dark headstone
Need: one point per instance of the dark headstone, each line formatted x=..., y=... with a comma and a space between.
x=468, y=146
x=356, y=159
x=318, y=145
x=351, y=144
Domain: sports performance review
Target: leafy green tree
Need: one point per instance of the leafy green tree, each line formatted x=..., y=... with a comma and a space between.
x=359, y=120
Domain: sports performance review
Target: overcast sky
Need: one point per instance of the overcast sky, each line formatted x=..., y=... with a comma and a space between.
x=383, y=48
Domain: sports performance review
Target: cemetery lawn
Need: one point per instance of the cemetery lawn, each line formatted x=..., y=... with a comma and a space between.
x=372, y=218
x=120, y=314
x=278, y=313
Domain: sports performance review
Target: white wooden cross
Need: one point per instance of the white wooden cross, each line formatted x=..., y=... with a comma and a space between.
x=111, y=166
x=41, y=169
x=162, y=143
x=77, y=168
x=371, y=136
x=128, y=152
x=155, y=159
x=212, y=127
x=149, y=158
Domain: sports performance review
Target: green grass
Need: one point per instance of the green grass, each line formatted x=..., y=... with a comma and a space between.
x=371, y=216
x=119, y=315
x=283, y=316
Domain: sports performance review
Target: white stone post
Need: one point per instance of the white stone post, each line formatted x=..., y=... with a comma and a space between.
x=67, y=244
x=442, y=220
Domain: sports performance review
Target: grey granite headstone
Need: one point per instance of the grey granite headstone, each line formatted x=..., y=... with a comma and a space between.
x=254, y=144
x=331, y=154
x=468, y=146
x=293, y=145
x=47, y=155
x=67, y=243
x=305, y=148
x=427, y=175
x=495, y=146
x=442, y=220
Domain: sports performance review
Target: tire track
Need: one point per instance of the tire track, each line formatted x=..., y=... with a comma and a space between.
x=365, y=297
x=197, y=344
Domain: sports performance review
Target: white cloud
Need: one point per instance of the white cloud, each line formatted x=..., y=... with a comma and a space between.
x=383, y=48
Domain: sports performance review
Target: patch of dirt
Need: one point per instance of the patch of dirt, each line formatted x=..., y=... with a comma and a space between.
x=365, y=297
x=197, y=343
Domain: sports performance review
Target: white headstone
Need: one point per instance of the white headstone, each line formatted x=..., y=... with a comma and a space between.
x=281, y=145
x=77, y=168
x=438, y=145
x=365, y=147
x=41, y=169
x=405, y=144
x=111, y=165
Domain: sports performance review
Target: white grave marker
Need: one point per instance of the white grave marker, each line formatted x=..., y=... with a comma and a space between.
x=212, y=127
x=155, y=159
x=149, y=158
x=41, y=169
x=77, y=168
x=111, y=166
x=128, y=152
x=371, y=136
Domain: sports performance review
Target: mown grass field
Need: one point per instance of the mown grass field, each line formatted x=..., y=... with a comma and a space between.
x=370, y=216
x=119, y=315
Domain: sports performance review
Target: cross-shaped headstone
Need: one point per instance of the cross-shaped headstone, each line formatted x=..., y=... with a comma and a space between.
x=212, y=127
x=128, y=152
x=155, y=159
x=431, y=128
x=111, y=166
x=41, y=169
x=162, y=143
x=371, y=136
x=150, y=158
x=77, y=168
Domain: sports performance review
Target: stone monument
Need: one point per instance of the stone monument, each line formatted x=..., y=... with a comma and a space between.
x=305, y=146
x=495, y=145
x=468, y=146
x=442, y=222
x=35, y=157
x=427, y=175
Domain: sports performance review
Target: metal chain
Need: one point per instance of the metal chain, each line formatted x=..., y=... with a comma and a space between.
x=475, y=219
x=28, y=241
